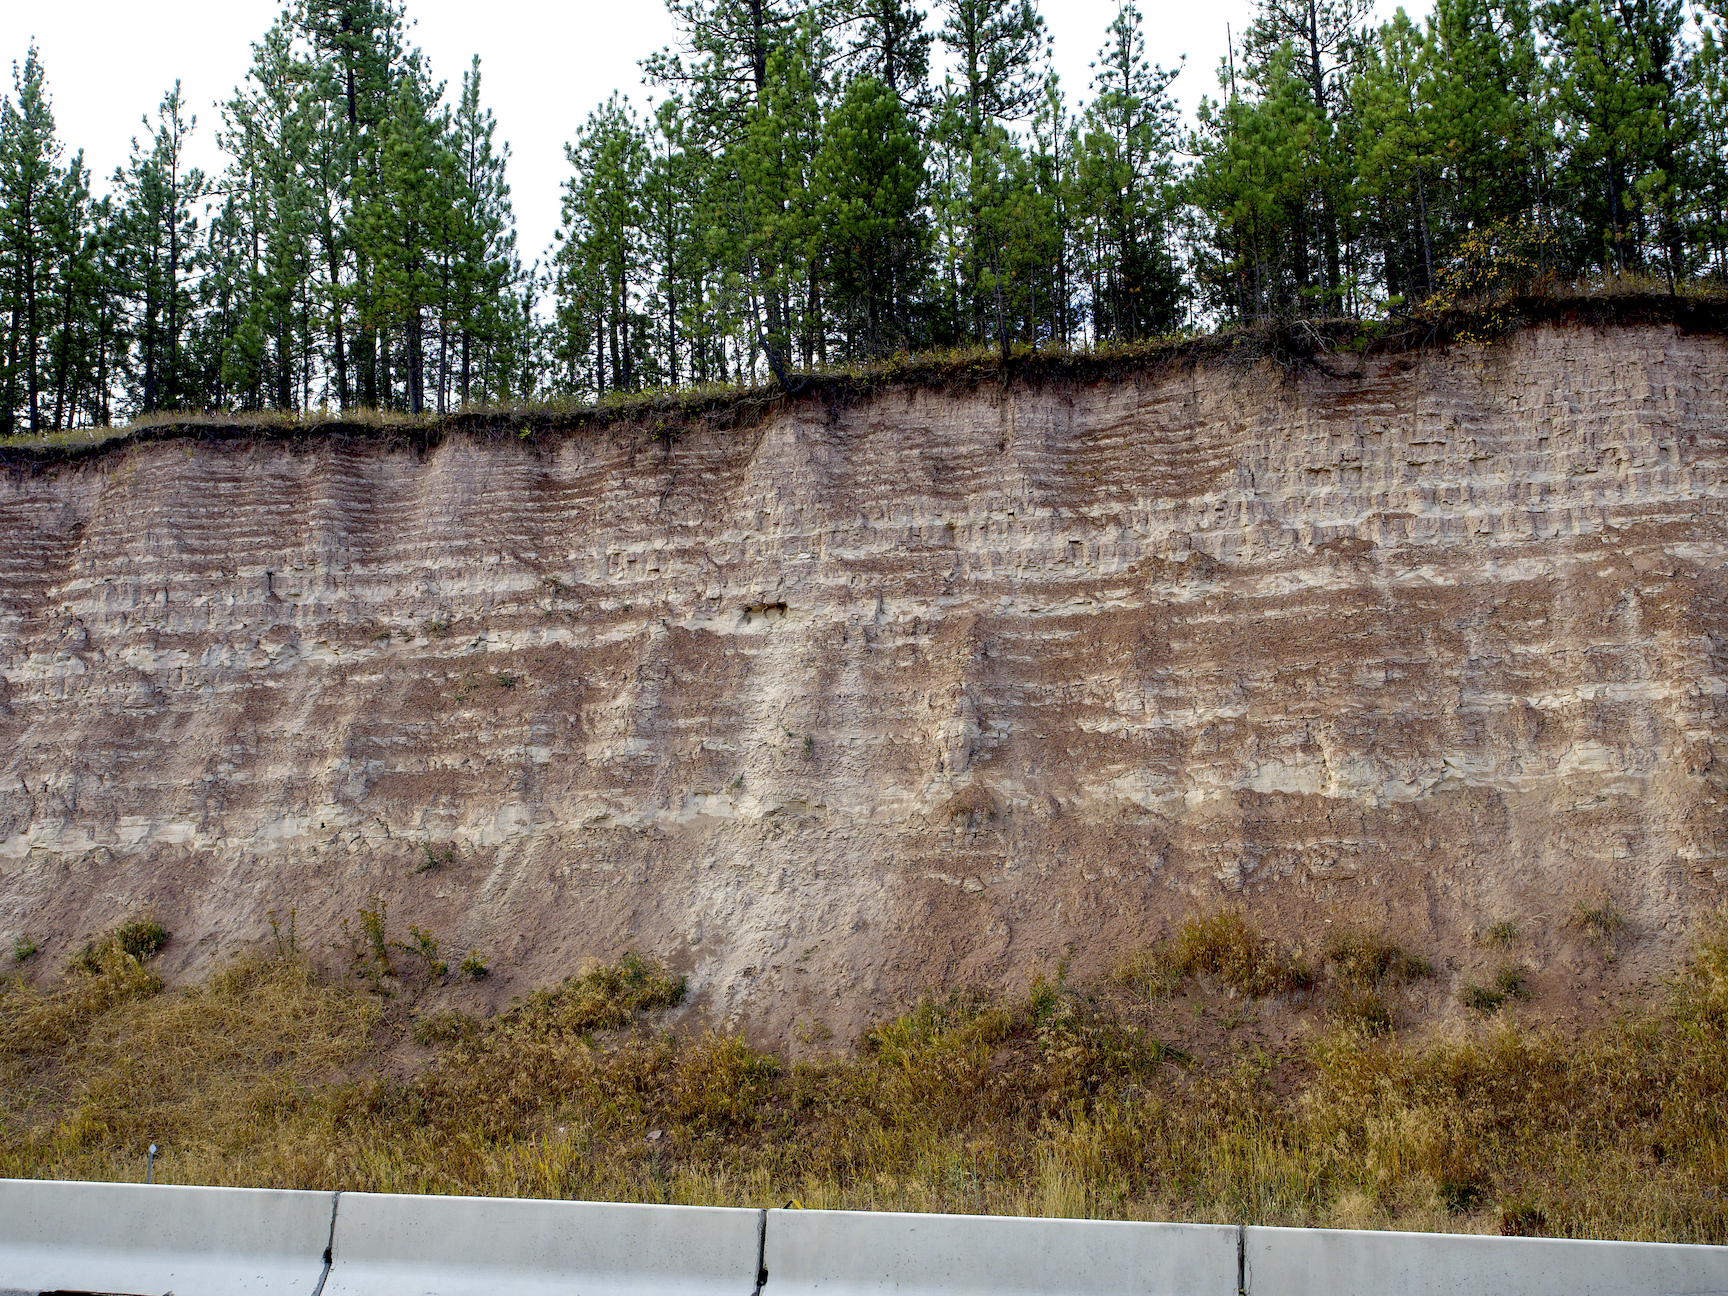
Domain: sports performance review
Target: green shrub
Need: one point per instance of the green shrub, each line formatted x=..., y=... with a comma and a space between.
x=603, y=996
x=1509, y=981
x=139, y=939
x=1367, y=960
x=1482, y=999
x=1226, y=947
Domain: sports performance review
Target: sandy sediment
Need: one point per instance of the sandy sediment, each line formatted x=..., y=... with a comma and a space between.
x=931, y=689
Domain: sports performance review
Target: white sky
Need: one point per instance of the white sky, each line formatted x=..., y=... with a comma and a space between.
x=544, y=65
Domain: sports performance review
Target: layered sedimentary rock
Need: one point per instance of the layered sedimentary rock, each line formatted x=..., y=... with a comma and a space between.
x=932, y=689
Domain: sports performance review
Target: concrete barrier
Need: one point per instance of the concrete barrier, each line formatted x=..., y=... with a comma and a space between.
x=100, y=1237
x=842, y=1252
x=145, y=1241
x=389, y=1245
x=1350, y=1262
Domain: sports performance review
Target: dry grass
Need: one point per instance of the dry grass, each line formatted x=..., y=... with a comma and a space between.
x=1222, y=946
x=1064, y=1101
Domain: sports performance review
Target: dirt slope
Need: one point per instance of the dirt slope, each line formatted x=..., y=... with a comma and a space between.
x=925, y=690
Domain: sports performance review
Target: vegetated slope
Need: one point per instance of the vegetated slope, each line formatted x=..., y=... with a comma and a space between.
x=925, y=689
x=1155, y=1094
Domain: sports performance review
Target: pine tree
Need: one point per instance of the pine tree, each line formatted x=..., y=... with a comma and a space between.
x=33, y=228
x=1397, y=153
x=358, y=49
x=77, y=290
x=485, y=266
x=268, y=129
x=997, y=47
x=870, y=174
x=161, y=194
x=600, y=259
x=1260, y=162
x=777, y=199
x=1615, y=77
x=1488, y=112
x=401, y=217
x=1052, y=155
x=1707, y=83
x=890, y=43
x=722, y=73
x=1126, y=187
x=1320, y=41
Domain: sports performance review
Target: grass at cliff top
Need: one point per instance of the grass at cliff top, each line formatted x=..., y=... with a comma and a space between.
x=1058, y=1102
x=1628, y=300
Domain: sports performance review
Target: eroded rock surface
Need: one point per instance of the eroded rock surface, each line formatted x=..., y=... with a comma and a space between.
x=919, y=692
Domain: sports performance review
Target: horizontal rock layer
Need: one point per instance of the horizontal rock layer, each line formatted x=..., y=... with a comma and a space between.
x=928, y=690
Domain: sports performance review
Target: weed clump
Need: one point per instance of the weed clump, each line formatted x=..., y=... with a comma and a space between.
x=721, y=1085
x=1602, y=921
x=104, y=976
x=1703, y=996
x=1367, y=960
x=1224, y=946
x=1500, y=934
x=1520, y=1217
x=435, y=860
x=1363, y=1011
x=140, y=939
x=372, y=954
x=1480, y=998
x=449, y=1027
x=1509, y=983
x=603, y=996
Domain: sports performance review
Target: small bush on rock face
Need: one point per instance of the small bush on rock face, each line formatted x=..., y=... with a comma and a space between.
x=141, y=938
x=604, y=996
x=1509, y=981
x=1601, y=921
x=1368, y=960
x=1223, y=946
x=1502, y=933
x=1482, y=999
x=138, y=938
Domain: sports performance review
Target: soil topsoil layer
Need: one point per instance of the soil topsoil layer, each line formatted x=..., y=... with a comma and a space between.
x=927, y=689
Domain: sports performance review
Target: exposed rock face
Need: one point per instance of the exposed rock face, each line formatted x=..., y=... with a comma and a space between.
x=914, y=693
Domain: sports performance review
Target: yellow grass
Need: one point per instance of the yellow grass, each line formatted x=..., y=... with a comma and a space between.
x=1061, y=1101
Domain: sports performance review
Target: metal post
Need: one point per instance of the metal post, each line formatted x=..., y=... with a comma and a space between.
x=150, y=1165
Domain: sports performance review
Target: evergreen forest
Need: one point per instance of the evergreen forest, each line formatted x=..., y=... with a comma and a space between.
x=820, y=182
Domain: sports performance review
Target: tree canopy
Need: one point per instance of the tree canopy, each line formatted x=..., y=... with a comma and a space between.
x=829, y=180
